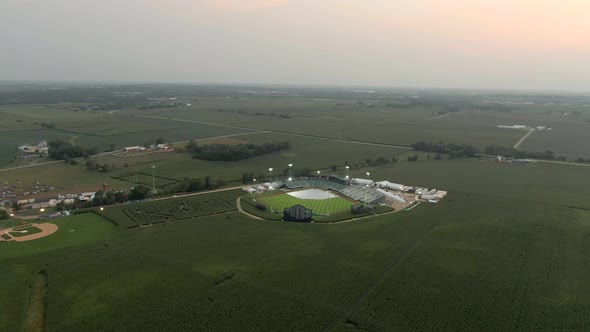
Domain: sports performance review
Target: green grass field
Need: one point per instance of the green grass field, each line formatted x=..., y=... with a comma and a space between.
x=319, y=207
x=72, y=231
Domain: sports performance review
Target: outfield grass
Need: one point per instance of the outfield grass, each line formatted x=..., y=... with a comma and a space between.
x=74, y=230
x=319, y=207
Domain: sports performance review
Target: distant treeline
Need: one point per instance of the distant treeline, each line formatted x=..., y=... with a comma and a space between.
x=242, y=112
x=513, y=153
x=453, y=150
x=225, y=152
x=62, y=150
x=464, y=150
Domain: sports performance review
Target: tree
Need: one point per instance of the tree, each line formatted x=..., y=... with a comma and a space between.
x=197, y=185
x=183, y=186
x=109, y=198
x=437, y=157
x=120, y=196
x=138, y=193
x=209, y=184
x=112, y=147
x=4, y=214
x=99, y=198
x=90, y=164
x=334, y=168
x=247, y=178
x=160, y=140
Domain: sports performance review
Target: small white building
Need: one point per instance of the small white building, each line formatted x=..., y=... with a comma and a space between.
x=390, y=185
x=367, y=182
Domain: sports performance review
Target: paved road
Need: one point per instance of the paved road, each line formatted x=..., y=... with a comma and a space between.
x=239, y=205
x=563, y=163
x=523, y=138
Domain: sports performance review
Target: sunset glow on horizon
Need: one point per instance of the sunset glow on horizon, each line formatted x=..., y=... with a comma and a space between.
x=452, y=43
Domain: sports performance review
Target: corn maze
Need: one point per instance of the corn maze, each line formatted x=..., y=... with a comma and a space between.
x=174, y=209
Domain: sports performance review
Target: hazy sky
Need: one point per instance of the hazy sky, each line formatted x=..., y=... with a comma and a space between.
x=525, y=44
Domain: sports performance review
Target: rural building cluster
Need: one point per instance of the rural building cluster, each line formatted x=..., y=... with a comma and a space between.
x=28, y=150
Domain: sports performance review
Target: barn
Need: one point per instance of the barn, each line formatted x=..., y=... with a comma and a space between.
x=297, y=213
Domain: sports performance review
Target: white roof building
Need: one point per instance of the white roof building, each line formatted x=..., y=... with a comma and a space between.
x=362, y=181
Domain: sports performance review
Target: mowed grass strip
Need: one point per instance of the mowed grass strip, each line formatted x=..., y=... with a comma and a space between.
x=323, y=207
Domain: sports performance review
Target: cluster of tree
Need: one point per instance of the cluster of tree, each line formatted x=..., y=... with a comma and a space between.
x=242, y=112
x=45, y=125
x=141, y=192
x=4, y=214
x=196, y=184
x=62, y=150
x=225, y=152
x=379, y=161
x=513, y=153
x=464, y=150
x=92, y=165
x=149, y=106
x=453, y=150
x=582, y=160
x=159, y=140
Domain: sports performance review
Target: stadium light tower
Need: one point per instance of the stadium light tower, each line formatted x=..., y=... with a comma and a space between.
x=154, y=178
x=270, y=174
x=290, y=178
x=347, y=167
x=318, y=172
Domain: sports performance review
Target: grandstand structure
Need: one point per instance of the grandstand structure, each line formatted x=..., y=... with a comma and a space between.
x=358, y=192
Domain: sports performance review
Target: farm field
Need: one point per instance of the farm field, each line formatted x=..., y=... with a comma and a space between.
x=509, y=245
x=96, y=129
x=319, y=207
x=385, y=125
x=506, y=250
x=173, y=167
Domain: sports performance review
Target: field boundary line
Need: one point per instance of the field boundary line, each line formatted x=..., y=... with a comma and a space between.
x=439, y=116
x=369, y=291
x=281, y=132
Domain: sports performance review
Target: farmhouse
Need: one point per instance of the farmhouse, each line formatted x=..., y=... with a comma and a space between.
x=297, y=213
x=40, y=148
